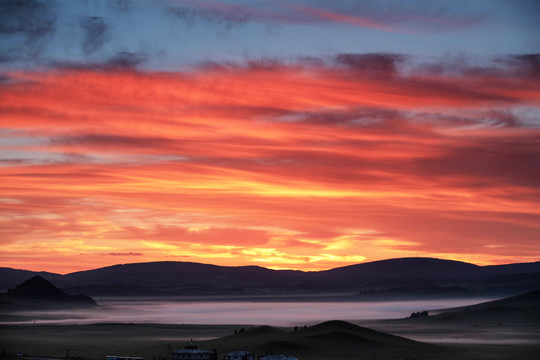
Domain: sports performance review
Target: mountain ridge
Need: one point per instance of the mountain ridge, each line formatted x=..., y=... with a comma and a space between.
x=409, y=275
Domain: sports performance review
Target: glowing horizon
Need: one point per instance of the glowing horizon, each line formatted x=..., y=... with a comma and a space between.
x=286, y=162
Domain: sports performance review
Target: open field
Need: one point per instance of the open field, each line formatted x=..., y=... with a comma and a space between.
x=98, y=340
x=328, y=341
x=496, y=330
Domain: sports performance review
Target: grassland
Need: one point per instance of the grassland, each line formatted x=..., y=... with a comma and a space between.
x=328, y=341
x=98, y=340
x=498, y=330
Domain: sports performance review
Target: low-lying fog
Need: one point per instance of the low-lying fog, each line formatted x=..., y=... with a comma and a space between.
x=236, y=312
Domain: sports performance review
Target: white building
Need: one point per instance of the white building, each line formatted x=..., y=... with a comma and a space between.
x=239, y=355
x=192, y=352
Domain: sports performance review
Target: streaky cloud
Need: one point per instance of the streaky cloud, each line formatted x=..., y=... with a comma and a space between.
x=228, y=19
x=377, y=63
x=33, y=21
x=121, y=5
x=96, y=34
x=122, y=254
x=308, y=164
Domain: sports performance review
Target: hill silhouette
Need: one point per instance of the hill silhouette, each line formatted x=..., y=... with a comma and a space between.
x=10, y=278
x=528, y=300
x=394, y=278
x=523, y=309
x=38, y=289
x=329, y=340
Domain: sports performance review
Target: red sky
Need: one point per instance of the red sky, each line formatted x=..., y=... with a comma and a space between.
x=310, y=164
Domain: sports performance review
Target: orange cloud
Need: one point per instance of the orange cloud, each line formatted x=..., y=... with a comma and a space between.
x=288, y=166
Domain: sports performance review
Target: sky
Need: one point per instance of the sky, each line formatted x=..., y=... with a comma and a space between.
x=286, y=134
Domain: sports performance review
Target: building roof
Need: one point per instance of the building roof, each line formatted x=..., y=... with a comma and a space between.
x=192, y=351
x=238, y=353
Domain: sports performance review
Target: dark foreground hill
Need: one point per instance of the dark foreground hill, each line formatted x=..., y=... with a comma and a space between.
x=330, y=340
x=37, y=291
x=523, y=301
x=395, y=278
x=519, y=310
x=327, y=341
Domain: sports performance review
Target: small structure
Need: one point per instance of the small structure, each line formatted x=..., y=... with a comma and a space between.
x=192, y=352
x=278, y=357
x=239, y=355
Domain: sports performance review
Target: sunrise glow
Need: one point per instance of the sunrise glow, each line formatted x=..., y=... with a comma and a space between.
x=292, y=162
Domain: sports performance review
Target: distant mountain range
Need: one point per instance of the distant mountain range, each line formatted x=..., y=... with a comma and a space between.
x=394, y=278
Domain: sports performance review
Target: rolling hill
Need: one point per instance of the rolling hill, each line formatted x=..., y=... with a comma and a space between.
x=40, y=293
x=519, y=310
x=396, y=278
x=329, y=340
